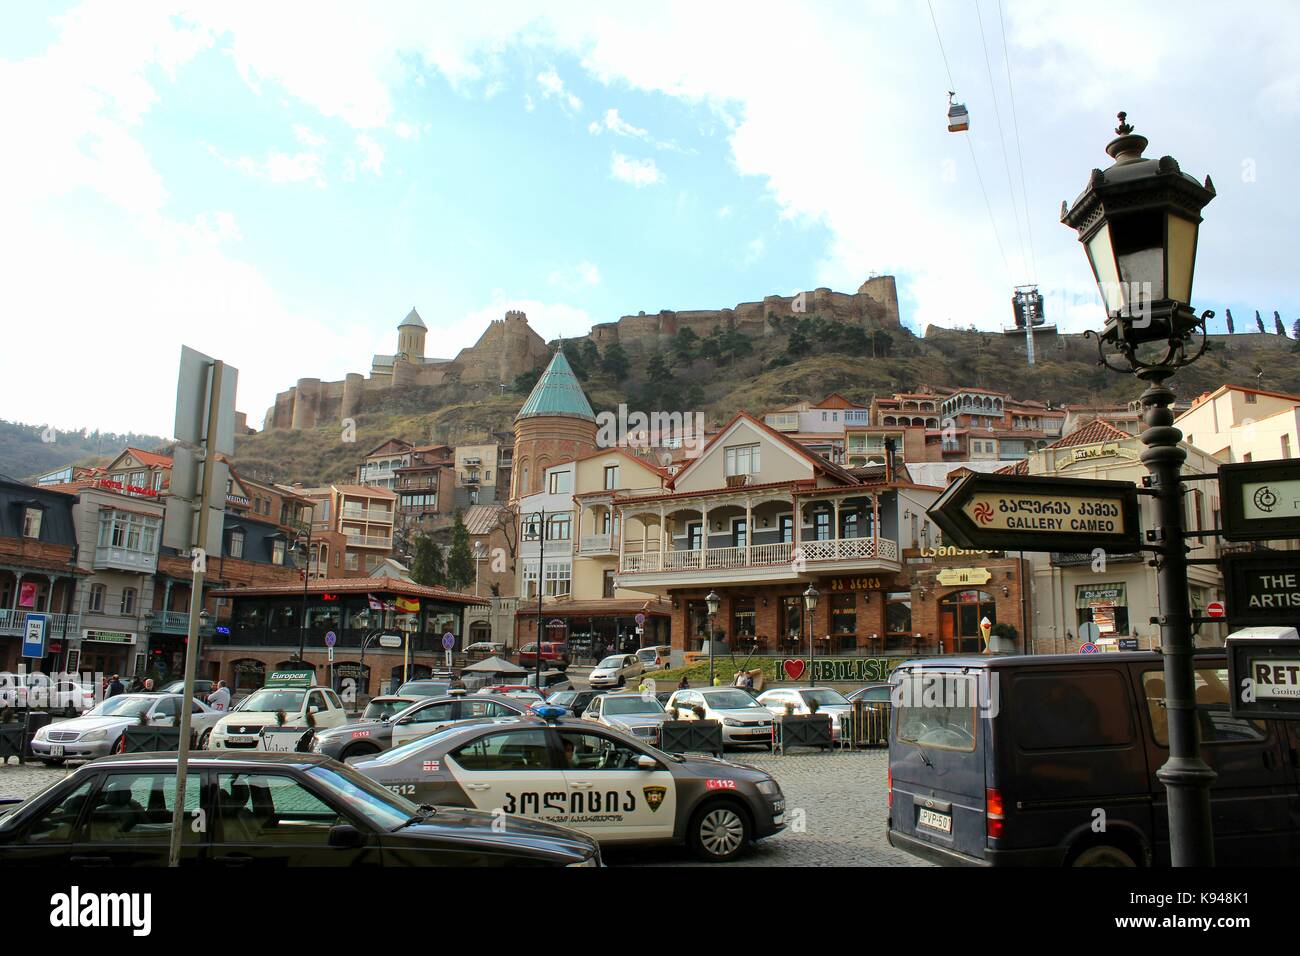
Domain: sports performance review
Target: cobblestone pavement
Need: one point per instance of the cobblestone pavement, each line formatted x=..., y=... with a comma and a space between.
x=835, y=807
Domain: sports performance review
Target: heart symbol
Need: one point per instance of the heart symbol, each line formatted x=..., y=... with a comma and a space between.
x=793, y=669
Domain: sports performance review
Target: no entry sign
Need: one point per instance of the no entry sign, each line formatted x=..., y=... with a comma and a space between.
x=1215, y=609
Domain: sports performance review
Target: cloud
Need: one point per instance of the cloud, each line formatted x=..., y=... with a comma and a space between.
x=279, y=167
x=553, y=88
x=638, y=172
x=583, y=275
x=614, y=123
x=373, y=158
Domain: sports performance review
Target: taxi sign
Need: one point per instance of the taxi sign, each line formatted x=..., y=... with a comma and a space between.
x=1261, y=500
x=1018, y=513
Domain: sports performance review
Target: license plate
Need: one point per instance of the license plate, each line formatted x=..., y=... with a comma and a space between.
x=56, y=750
x=778, y=820
x=936, y=821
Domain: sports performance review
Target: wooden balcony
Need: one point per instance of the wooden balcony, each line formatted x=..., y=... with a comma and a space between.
x=757, y=562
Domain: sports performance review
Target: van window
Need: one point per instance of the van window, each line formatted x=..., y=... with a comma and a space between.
x=1059, y=711
x=1214, y=721
x=937, y=710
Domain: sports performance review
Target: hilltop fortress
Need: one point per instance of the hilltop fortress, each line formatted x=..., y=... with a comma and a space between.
x=509, y=347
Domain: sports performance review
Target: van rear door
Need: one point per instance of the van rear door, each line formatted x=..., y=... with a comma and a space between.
x=937, y=759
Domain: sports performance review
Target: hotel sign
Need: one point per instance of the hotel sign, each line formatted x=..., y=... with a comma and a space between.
x=1094, y=453
x=1263, y=588
x=964, y=576
x=1260, y=501
x=1016, y=513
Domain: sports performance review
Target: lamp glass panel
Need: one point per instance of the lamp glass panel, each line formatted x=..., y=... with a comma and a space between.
x=1139, y=240
x=1182, y=258
x=1102, y=257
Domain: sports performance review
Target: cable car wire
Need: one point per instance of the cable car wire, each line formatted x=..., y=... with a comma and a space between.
x=1020, y=157
x=974, y=162
x=1002, y=139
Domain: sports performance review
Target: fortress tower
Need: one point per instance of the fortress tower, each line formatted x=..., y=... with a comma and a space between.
x=555, y=424
x=410, y=338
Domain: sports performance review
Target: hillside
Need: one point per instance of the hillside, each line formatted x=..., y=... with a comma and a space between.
x=30, y=450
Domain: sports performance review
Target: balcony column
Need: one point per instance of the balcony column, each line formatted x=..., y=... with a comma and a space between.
x=18, y=587
x=839, y=544
x=621, y=539
x=749, y=530
x=797, y=514
x=167, y=598
x=704, y=535
x=875, y=526
x=663, y=519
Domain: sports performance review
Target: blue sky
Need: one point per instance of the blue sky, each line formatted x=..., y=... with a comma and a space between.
x=277, y=185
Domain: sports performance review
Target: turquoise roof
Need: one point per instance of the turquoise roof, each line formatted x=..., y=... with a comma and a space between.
x=557, y=392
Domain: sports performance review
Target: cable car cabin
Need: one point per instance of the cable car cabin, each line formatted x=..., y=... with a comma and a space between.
x=958, y=118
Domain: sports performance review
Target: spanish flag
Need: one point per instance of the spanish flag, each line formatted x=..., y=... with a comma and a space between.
x=408, y=605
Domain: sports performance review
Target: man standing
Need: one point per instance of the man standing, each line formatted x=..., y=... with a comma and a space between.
x=115, y=686
x=219, y=699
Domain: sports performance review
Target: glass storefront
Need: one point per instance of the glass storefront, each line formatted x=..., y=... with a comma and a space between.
x=960, y=614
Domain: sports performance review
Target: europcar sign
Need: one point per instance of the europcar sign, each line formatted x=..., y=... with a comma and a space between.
x=1016, y=513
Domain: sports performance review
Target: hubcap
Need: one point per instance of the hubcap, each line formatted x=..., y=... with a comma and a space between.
x=721, y=831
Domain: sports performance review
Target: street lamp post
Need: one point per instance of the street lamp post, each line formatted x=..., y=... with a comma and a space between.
x=713, y=602
x=478, y=557
x=810, y=598
x=1138, y=221
x=540, y=525
x=302, y=541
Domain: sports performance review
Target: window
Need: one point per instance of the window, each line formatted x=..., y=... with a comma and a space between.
x=511, y=751
x=470, y=708
x=269, y=808
x=1214, y=721
x=743, y=619
x=559, y=528
x=32, y=522
x=597, y=752
x=128, y=601
x=844, y=613
x=1286, y=446
x=741, y=460
x=739, y=533
x=277, y=552
x=821, y=526
x=611, y=477
x=352, y=562
x=559, y=482
x=530, y=580
x=433, y=714
x=236, y=549
x=850, y=521
x=137, y=807
x=792, y=618
x=55, y=825
x=607, y=584
x=960, y=614
x=937, y=710
x=697, y=623
x=786, y=525
x=97, y=592
x=1251, y=398
x=694, y=533
x=898, y=618
x=1105, y=605
x=558, y=579
x=1058, y=711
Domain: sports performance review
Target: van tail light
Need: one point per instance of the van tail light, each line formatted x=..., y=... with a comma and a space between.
x=889, y=786
x=993, y=812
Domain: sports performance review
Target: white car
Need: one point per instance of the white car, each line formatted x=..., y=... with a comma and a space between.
x=98, y=732
x=43, y=692
x=615, y=671
x=640, y=715
x=744, y=720
x=654, y=658
x=829, y=701
x=241, y=729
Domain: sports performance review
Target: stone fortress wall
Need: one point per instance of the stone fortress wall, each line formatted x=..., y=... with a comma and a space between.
x=509, y=346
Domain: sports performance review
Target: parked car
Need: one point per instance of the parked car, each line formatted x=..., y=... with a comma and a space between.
x=39, y=691
x=241, y=728
x=635, y=714
x=744, y=720
x=575, y=701
x=551, y=681
x=655, y=658
x=875, y=693
x=386, y=705
x=829, y=702
x=100, y=730
x=424, y=687
x=266, y=811
x=1012, y=760
x=554, y=653
x=615, y=671
x=485, y=649
x=366, y=737
x=612, y=786
x=202, y=688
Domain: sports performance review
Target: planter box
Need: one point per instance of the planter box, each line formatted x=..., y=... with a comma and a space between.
x=804, y=730
x=286, y=739
x=11, y=742
x=691, y=736
x=151, y=739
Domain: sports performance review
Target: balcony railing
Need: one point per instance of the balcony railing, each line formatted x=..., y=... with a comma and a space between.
x=598, y=543
x=123, y=559
x=369, y=541
x=13, y=621
x=381, y=515
x=171, y=621
x=761, y=555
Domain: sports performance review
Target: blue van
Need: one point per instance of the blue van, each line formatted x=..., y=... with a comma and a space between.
x=1051, y=760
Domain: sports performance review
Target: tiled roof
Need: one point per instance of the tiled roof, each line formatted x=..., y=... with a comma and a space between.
x=151, y=458
x=357, y=586
x=482, y=519
x=1019, y=468
x=366, y=490
x=557, y=392
x=1092, y=433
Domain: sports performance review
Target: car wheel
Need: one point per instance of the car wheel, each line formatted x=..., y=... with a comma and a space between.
x=359, y=750
x=719, y=832
x=622, y=681
x=1103, y=856
x=203, y=741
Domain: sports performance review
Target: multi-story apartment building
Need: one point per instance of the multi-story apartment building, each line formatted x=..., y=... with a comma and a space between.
x=352, y=529
x=1237, y=424
x=426, y=489
x=378, y=469
x=477, y=474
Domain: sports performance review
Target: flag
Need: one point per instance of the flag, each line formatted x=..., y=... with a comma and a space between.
x=409, y=605
x=375, y=603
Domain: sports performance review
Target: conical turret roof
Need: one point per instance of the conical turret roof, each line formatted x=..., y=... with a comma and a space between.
x=413, y=318
x=557, y=392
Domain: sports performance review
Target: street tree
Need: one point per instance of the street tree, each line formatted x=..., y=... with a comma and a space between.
x=460, y=563
x=428, y=567
x=615, y=362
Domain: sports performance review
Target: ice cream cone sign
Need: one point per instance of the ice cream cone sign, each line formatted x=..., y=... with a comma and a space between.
x=986, y=628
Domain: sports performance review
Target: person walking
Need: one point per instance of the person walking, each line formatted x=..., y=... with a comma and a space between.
x=219, y=699
x=115, y=686
x=684, y=683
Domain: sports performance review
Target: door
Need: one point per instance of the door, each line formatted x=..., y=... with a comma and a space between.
x=275, y=819
x=47, y=839
x=612, y=798
x=129, y=822
x=424, y=721
x=1252, y=802
x=166, y=712
x=512, y=771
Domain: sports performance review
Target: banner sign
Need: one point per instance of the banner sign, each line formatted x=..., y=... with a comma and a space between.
x=1263, y=588
x=1264, y=670
x=1261, y=501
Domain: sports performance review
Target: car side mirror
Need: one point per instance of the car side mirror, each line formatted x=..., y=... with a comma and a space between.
x=646, y=762
x=346, y=837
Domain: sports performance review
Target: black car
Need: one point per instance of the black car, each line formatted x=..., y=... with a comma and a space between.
x=575, y=701
x=263, y=809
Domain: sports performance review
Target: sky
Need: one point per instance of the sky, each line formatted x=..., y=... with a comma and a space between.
x=277, y=185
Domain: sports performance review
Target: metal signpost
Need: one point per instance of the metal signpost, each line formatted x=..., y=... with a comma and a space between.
x=205, y=428
x=330, y=640
x=35, y=636
x=448, y=643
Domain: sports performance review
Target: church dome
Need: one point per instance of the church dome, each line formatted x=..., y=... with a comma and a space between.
x=413, y=320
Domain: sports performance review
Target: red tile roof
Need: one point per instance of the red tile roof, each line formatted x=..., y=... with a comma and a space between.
x=151, y=458
x=1093, y=433
x=356, y=586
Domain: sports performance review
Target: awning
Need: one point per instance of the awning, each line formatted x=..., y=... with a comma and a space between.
x=1106, y=595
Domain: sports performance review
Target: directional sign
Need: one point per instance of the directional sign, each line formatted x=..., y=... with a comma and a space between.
x=1261, y=501
x=34, y=628
x=1263, y=588
x=1016, y=513
x=390, y=640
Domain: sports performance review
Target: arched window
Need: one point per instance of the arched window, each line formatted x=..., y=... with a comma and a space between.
x=960, y=614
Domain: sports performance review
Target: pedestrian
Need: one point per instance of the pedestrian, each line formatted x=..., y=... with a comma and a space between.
x=219, y=699
x=148, y=685
x=717, y=681
x=684, y=683
x=115, y=686
x=749, y=681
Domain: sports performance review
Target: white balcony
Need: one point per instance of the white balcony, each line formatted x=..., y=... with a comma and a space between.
x=123, y=559
x=758, y=562
x=598, y=544
x=13, y=621
x=378, y=515
x=369, y=541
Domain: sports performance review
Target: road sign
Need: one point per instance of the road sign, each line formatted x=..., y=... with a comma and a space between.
x=1215, y=609
x=390, y=640
x=331, y=638
x=34, y=634
x=1088, y=648
x=193, y=385
x=1016, y=513
x=640, y=620
x=1261, y=500
x=1263, y=588
x=448, y=641
x=330, y=652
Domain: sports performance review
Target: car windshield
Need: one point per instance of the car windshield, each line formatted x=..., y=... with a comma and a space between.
x=398, y=754
x=378, y=804
x=648, y=654
x=730, y=700
x=563, y=697
x=380, y=709
x=616, y=661
x=632, y=705
x=424, y=688
x=824, y=696
x=268, y=701
x=123, y=705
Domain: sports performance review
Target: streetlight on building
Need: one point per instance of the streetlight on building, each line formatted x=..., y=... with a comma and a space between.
x=810, y=599
x=713, y=602
x=1138, y=221
x=478, y=557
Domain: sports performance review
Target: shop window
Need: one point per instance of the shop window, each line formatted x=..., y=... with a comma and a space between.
x=697, y=623
x=1105, y=605
x=743, y=619
x=844, y=613
x=898, y=618
x=792, y=619
x=959, y=619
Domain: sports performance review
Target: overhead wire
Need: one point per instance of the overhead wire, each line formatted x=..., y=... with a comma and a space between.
x=1020, y=157
x=1002, y=139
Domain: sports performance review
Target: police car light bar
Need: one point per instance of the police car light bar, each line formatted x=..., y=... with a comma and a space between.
x=549, y=711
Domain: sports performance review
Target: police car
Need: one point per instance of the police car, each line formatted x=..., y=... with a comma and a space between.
x=590, y=777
